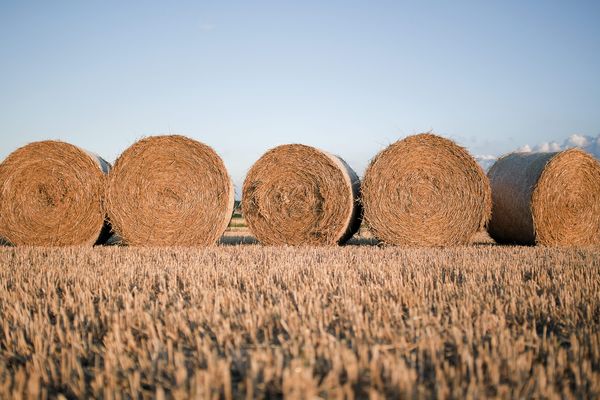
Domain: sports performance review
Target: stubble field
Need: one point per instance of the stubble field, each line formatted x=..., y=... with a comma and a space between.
x=247, y=321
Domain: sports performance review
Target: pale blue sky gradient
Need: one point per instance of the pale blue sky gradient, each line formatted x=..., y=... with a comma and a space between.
x=348, y=77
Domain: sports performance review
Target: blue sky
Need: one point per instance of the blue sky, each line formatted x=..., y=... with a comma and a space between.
x=348, y=77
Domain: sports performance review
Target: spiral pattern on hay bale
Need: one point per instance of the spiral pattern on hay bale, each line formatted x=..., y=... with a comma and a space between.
x=298, y=195
x=169, y=191
x=425, y=191
x=51, y=194
x=550, y=199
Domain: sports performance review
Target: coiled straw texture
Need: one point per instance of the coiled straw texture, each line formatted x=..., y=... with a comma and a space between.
x=51, y=194
x=298, y=195
x=169, y=191
x=425, y=191
x=550, y=199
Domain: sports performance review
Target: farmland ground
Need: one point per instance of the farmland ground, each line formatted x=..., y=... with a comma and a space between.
x=244, y=321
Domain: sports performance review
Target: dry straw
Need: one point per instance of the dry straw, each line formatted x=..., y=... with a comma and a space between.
x=425, y=191
x=296, y=194
x=51, y=194
x=169, y=191
x=546, y=198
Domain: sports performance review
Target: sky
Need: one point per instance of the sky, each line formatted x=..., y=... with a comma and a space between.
x=347, y=77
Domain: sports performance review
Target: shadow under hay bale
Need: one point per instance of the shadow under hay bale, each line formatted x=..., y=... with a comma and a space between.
x=546, y=198
x=233, y=240
x=51, y=194
x=296, y=195
x=169, y=191
x=425, y=191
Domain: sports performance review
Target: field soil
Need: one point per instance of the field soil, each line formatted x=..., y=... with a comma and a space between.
x=240, y=320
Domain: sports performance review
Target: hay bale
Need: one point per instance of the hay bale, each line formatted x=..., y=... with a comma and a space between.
x=51, y=194
x=296, y=194
x=546, y=198
x=425, y=191
x=169, y=191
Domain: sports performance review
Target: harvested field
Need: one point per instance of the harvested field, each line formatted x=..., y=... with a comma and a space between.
x=254, y=321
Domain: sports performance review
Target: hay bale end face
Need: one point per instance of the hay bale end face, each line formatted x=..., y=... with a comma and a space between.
x=297, y=195
x=51, y=194
x=425, y=191
x=550, y=199
x=169, y=191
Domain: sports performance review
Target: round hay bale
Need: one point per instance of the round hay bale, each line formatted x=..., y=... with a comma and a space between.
x=169, y=191
x=299, y=195
x=425, y=191
x=51, y=194
x=550, y=199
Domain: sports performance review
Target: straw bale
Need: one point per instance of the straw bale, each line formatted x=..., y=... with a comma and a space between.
x=425, y=190
x=169, y=191
x=546, y=198
x=298, y=195
x=51, y=194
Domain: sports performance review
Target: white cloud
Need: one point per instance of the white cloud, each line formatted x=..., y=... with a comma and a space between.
x=486, y=161
x=590, y=144
x=548, y=147
x=524, y=149
x=578, y=141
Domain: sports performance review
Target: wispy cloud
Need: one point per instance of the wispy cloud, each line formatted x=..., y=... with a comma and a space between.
x=207, y=27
